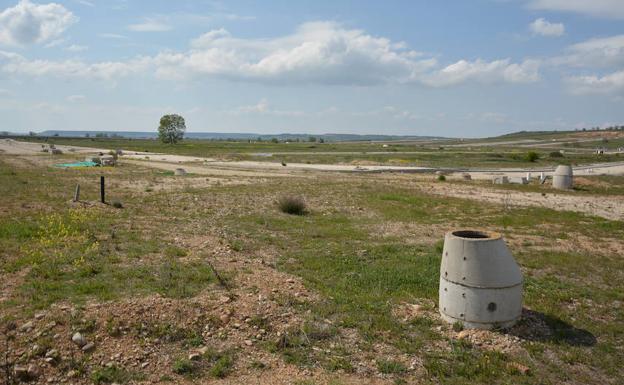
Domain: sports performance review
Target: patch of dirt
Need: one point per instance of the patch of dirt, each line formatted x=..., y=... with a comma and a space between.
x=582, y=181
x=603, y=206
x=411, y=233
x=178, y=183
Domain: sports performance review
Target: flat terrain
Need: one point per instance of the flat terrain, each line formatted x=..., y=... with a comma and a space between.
x=577, y=147
x=201, y=278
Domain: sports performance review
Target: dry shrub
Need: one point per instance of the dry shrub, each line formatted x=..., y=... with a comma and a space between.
x=292, y=205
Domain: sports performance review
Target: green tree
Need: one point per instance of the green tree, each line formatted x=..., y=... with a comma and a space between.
x=532, y=156
x=171, y=128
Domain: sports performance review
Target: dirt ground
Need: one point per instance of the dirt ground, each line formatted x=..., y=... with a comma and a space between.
x=262, y=304
x=606, y=207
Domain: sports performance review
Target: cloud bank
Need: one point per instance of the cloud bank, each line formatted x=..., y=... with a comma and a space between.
x=322, y=53
x=599, y=8
x=28, y=23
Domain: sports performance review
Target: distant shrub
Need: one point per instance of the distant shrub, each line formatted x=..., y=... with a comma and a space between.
x=222, y=366
x=390, y=367
x=292, y=205
x=441, y=178
x=532, y=156
x=183, y=366
x=556, y=154
x=109, y=375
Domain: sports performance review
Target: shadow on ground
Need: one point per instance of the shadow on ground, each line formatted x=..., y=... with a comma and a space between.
x=536, y=326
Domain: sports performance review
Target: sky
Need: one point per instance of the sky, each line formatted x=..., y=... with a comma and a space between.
x=461, y=68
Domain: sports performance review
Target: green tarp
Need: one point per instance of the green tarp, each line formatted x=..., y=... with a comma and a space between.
x=77, y=164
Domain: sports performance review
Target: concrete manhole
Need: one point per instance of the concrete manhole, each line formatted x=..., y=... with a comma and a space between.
x=480, y=282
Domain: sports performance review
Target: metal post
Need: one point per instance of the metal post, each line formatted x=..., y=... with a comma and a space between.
x=102, y=192
x=77, y=193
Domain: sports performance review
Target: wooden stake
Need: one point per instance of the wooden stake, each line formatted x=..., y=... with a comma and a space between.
x=77, y=193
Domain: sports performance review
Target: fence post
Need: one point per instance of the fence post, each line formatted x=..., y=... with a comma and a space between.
x=102, y=192
x=77, y=193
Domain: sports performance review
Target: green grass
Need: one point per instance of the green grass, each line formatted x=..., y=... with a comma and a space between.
x=217, y=364
x=342, y=255
x=113, y=374
x=359, y=289
x=185, y=367
x=83, y=253
x=390, y=367
x=399, y=153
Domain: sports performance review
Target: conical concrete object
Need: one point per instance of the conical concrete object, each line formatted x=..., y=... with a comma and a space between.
x=480, y=282
x=563, y=177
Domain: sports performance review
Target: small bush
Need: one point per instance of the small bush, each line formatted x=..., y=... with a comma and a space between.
x=556, y=154
x=441, y=178
x=390, y=367
x=109, y=375
x=222, y=366
x=532, y=156
x=292, y=205
x=183, y=366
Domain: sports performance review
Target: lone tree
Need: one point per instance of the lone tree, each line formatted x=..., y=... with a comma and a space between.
x=171, y=129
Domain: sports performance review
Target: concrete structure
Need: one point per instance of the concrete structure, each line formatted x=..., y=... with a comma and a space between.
x=179, y=171
x=563, y=178
x=480, y=282
x=500, y=180
x=107, y=160
x=94, y=159
x=518, y=180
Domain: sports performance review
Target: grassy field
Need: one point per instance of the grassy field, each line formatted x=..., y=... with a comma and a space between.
x=345, y=293
x=428, y=154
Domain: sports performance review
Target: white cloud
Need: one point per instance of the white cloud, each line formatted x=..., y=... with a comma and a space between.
x=13, y=63
x=494, y=117
x=593, y=84
x=55, y=42
x=209, y=37
x=111, y=36
x=263, y=108
x=85, y=2
x=29, y=23
x=76, y=48
x=485, y=72
x=326, y=53
x=150, y=25
x=316, y=53
x=600, y=8
x=543, y=27
x=76, y=98
x=600, y=52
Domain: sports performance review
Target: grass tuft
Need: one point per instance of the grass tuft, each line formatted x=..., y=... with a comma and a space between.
x=292, y=205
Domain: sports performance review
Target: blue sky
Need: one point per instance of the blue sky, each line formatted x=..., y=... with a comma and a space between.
x=454, y=68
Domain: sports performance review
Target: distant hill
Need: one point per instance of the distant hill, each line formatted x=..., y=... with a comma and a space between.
x=237, y=136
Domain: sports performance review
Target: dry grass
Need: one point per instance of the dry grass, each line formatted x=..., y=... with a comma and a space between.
x=308, y=295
